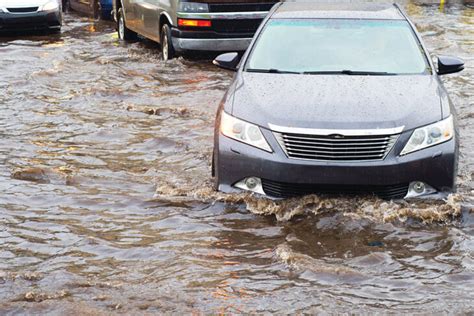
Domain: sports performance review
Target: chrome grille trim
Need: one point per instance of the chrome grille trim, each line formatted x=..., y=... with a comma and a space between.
x=364, y=147
x=223, y=15
x=327, y=132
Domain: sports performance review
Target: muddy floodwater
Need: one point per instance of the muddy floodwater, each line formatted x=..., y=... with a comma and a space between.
x=106, y=203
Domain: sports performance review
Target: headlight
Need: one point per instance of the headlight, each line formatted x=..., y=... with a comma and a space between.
x=193, y=7
x=50, y=6
x=430, y=135
x=243, y=132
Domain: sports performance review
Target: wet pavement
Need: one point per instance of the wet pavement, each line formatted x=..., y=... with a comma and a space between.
x=106, y=203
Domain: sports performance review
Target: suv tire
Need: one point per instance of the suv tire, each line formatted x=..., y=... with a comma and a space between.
x=167, y=49
x=124, y=33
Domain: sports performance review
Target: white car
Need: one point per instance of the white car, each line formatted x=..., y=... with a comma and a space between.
x=17, y=15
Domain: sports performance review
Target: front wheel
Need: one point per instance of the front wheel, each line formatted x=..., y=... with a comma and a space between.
x=124, y=33
x=167, y=49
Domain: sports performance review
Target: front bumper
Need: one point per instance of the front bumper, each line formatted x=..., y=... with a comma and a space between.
x=30, y=21
x=285, y=177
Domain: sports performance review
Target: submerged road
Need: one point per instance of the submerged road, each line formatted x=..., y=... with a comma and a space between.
x=106, y=203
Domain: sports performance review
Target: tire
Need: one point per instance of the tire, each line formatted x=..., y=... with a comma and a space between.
x=215, y=172
x=124, y=33
x=167, y=49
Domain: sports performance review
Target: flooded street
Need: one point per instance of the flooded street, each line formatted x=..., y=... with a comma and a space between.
x=106, y=202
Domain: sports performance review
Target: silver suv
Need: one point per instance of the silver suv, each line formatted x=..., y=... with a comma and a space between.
x=179, y=25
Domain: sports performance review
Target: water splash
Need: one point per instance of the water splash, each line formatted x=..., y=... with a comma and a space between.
x=372, y=208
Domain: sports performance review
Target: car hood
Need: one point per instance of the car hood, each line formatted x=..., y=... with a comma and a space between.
x=21, y=3
x=336, y=101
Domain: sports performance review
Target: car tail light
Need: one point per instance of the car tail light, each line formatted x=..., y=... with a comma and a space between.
x=194, y=23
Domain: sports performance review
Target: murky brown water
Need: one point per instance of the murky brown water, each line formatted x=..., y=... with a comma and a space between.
x=105, y=202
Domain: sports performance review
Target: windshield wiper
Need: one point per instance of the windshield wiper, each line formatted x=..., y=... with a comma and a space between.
x=351, y=73
x=331, y=72
x=272, y=71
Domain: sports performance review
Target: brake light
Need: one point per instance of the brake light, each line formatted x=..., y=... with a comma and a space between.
x=194, y=23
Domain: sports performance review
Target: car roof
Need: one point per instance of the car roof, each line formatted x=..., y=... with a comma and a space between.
x=314, y=10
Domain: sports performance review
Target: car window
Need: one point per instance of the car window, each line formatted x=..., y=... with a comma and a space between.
x=326, y=45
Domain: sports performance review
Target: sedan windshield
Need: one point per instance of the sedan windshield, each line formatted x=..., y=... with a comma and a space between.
x=337, y=46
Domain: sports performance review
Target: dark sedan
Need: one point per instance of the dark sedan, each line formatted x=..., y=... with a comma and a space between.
x=336, y=99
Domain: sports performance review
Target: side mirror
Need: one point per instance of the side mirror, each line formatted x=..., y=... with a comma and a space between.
x=449, y=65
x=228, y=61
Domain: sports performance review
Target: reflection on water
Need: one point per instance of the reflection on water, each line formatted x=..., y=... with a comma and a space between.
x=106, y=200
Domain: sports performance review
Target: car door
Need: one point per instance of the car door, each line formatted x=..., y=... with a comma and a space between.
x=150, y=10
x=132, y=15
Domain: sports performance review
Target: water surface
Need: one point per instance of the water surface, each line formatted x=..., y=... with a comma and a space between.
x=106, y=203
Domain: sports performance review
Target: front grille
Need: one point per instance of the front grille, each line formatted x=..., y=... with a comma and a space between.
x=240, y=7
x=236, y=26
x=23, y=10
x=287, y=190
x=336, y=148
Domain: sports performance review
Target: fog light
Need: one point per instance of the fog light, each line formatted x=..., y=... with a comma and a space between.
x=419, y=187
x=252, y=184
